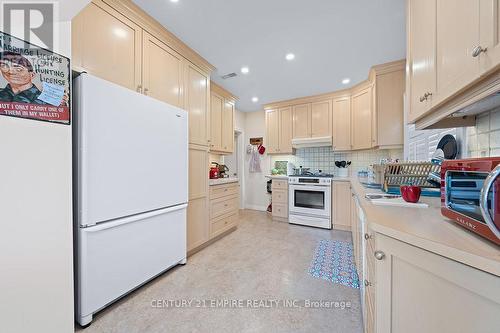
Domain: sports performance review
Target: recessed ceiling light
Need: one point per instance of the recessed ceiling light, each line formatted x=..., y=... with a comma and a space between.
x=174, y=1
x=245, y=70
x=255, y=99
x=346, y=81
x=290, y=56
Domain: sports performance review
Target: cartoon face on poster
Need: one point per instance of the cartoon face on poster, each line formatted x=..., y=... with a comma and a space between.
x=34, y=82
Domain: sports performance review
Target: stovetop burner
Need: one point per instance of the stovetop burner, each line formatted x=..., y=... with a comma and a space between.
x=318, y=174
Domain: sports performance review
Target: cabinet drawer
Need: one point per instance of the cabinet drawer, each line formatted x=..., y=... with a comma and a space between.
x=280, y=197
x=224, y=205
x=280, y=210
x=280, y=184
x=222, y=224
x=219, y=191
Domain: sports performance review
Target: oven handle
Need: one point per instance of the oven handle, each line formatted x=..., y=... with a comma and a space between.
x=483, y=201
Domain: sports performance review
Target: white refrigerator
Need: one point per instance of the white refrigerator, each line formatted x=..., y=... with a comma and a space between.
x=131, y=191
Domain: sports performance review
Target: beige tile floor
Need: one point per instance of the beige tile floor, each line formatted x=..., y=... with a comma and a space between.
x=261, y=260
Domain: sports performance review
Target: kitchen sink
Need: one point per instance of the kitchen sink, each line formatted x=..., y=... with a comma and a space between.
x=375, y=196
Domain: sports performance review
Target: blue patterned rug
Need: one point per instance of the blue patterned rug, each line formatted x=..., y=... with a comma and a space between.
x=334, y=261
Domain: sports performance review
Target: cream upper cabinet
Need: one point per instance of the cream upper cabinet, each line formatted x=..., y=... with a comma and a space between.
x=490, y=35
x=362, y=119
x=419, y=291
x=197, y=96
x=221, y=120
x=285, y=130
x=457, y=35
x=321, y=118
x=108, y=45
x=162, y=71
x=228, y=127
x=272, y=131
x=389, y=107
x=422, y=56
x=341, y=127
x=216, y=107
x=302, y=121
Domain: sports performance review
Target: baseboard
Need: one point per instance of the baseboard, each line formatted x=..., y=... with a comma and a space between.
x=256, y=207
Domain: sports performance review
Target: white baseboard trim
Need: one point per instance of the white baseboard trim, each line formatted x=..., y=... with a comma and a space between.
x=256, y=207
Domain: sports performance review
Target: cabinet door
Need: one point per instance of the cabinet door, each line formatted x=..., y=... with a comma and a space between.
x=216, y=107
x=341, y=203
x=390, y=108
x=362, y=119
x=162, y=71
x=197, y=96
x=490, y=34
x=285, y=130
x=422, y=56
x=341, y=127
x=197, y=212
x=321, y=119
x=457, y=35
x=419, y=291
x=108, y=45
x=272, y=131
x=301, y=121
x=228, y=127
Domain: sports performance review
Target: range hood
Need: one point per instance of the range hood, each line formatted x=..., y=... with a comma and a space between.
x=323, y=141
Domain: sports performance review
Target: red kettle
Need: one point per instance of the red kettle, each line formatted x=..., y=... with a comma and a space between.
x=214, y=171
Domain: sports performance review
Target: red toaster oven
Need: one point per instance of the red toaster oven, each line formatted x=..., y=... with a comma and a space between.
x=470, y=195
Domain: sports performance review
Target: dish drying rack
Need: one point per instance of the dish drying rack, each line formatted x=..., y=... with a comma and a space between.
x=402, y=173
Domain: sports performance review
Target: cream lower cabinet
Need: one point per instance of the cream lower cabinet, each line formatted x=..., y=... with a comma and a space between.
x=197, y=217
x=224, y=208
x=419, y=291
x=279, y=198
x=341, y=205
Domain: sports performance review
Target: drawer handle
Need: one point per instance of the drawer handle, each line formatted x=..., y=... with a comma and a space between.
x=367, y=283
x=478, y=50
x=425, y=97
x=379, y=255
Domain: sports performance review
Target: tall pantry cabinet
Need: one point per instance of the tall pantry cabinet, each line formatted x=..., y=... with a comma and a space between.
x=119, y=42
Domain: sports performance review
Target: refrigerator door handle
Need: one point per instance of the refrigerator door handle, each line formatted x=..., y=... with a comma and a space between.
x=134, y=218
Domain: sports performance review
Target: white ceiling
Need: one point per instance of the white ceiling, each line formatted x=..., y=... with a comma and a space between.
x=331, y=39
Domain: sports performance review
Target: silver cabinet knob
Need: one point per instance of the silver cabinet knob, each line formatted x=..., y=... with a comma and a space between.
x=379, y=255
x=146, y=90
x=425, y=97
x=367, y=236
x=367, y=283
x=478, y=50
x=139, y=88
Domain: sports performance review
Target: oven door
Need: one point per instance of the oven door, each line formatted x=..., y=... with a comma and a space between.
x=310, y=200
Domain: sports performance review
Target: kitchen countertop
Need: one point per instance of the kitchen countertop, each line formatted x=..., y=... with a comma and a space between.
x=277, y=176
x=221, y=181
x=428, y=229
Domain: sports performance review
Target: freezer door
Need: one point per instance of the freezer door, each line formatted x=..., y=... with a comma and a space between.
x=132, y=152
x=116, y=257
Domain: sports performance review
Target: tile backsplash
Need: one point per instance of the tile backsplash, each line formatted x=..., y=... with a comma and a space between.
x=324, y=158
x=483, y=140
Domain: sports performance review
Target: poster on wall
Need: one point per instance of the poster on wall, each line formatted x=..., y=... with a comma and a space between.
x=34, y=82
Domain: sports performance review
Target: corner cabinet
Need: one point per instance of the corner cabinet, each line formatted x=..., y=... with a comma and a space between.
x=453, y=59
x=222, y=109
x=279, y=123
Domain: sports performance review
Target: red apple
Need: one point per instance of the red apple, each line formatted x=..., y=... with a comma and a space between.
x=410, y=193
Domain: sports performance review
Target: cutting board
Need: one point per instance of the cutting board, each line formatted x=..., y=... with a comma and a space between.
x=398, y=202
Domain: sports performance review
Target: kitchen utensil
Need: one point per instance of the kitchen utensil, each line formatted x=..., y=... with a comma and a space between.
x=448, y=144
x=348, y=163
x=337, y=164
x=343, y=164
x=223, y=169
x=214, y=171
x=410, y=193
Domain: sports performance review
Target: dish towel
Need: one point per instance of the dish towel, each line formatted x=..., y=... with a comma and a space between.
x=254, y=161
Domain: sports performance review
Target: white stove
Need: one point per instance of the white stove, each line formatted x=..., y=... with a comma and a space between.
x=310, y=200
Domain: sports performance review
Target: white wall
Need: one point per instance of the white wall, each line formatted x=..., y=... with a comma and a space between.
x=256, y=196
x=36, y=247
